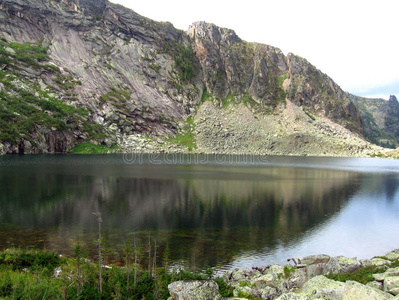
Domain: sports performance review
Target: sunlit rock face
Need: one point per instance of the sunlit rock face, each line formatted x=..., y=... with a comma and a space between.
x=111, y=75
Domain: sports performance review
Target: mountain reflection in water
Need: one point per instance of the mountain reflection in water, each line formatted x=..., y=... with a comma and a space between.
x=209, y=215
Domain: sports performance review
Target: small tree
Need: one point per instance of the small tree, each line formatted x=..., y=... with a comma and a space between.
x=127, y=251
x=77, y=254
x=166, y=257
x=99, y=220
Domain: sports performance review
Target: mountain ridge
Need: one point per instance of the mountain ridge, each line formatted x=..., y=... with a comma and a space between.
x=143, y=85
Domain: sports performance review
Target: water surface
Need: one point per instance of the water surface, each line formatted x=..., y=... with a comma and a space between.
x=219, y=211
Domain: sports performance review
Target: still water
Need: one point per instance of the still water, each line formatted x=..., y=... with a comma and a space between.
x=218, y=211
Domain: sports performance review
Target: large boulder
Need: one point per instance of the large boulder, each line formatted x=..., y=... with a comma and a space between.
x=354, y=290
x=341, y=264
x=391, y=284
x=194, y=290
x=393, y=254
x=324, y=288
x=293, y=296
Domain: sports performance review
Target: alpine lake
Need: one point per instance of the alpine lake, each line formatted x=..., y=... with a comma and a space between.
x=220, y=211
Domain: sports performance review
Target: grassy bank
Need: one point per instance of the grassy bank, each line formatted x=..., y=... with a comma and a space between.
x=34, y=274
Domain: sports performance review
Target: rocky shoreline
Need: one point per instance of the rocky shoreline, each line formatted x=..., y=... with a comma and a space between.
x=301, y=279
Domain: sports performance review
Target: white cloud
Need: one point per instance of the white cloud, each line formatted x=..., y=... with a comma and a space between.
x=354, y=42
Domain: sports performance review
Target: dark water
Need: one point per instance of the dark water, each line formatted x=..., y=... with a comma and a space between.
x=219, y=211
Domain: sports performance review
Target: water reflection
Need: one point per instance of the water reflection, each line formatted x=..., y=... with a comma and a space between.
x=208, y=214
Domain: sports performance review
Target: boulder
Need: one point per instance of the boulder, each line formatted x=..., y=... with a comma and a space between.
x=380, y=262
x=315, y=259
x=194, y=290
x=393, y=254
x=390, y=272
x=293, y=296
x=324, y=288
x=375, y=284
x=272, y=276
x=391, y=285
x=341, y=264
x=354, y=291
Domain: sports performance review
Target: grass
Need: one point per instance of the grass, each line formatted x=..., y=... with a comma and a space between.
x=186, y=137
x=28, y=274
x=227, y=101
x=88, y=148
x=363, y=275
x=115, y=95
x=25, y=107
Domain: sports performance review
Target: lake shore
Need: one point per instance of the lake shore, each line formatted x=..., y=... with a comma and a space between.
x=312, y=277
x=43, y=274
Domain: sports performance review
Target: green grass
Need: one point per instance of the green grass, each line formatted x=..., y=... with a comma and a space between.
x=185, y=138
x=88, y=148
x=25, y=107
x=226, y=102
x=115, y=95
x=184, y=59
x=363, y=275
x=28, y=274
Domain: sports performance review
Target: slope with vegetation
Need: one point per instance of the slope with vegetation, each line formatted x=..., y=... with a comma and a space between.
x=95, y=72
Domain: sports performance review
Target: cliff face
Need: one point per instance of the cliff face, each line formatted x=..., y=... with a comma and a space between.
x=381, y=119
x=118, y=76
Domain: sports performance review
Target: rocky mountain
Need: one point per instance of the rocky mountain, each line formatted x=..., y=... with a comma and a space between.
x=76, y=71
x=381, y=119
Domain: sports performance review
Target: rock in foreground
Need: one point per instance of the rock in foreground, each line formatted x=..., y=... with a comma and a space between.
x=309, y=278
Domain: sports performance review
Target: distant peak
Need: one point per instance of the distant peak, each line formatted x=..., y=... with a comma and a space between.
x=393, y=98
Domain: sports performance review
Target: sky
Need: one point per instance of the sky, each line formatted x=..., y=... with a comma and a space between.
x=354, y=42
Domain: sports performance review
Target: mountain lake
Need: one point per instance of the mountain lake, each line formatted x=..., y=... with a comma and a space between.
x=221, y=211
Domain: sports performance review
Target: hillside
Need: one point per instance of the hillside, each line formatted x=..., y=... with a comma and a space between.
x=94, y=72
x=381, y=119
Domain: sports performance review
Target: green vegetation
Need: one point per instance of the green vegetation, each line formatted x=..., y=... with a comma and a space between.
x=363, y=275
x=88, y=148
x=115, y=95
x=288, y=270
x=24, y=106
x=184, y=59
x=280, y=93
x=230, y=99
x=242, y=294
x=309, y=115
x=249, y=101
x=185, y=137
x=206, y=96
x=33, y=274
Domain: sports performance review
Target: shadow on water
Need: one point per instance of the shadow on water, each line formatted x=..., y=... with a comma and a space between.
x=208, y=214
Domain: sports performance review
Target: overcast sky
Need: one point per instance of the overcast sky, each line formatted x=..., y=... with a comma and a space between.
x=355, y=42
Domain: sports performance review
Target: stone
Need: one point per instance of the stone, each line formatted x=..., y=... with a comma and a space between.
x=391, y=285
x=393, y=254
x=389, y=272
x=380, y=262
x=315, y=259
x=375, y=284
x=322, y=287
x=293, y=296
x=194, y=290
x=354, y=291
x=341, y=264
x=237, y=276
x=10, y=50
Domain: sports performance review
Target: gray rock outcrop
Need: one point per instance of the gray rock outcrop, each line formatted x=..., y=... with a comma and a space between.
x=101, y=73
x=194, y=290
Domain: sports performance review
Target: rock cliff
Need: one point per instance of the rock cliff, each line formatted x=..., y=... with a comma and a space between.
x=381, y=119
x=76, y=71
